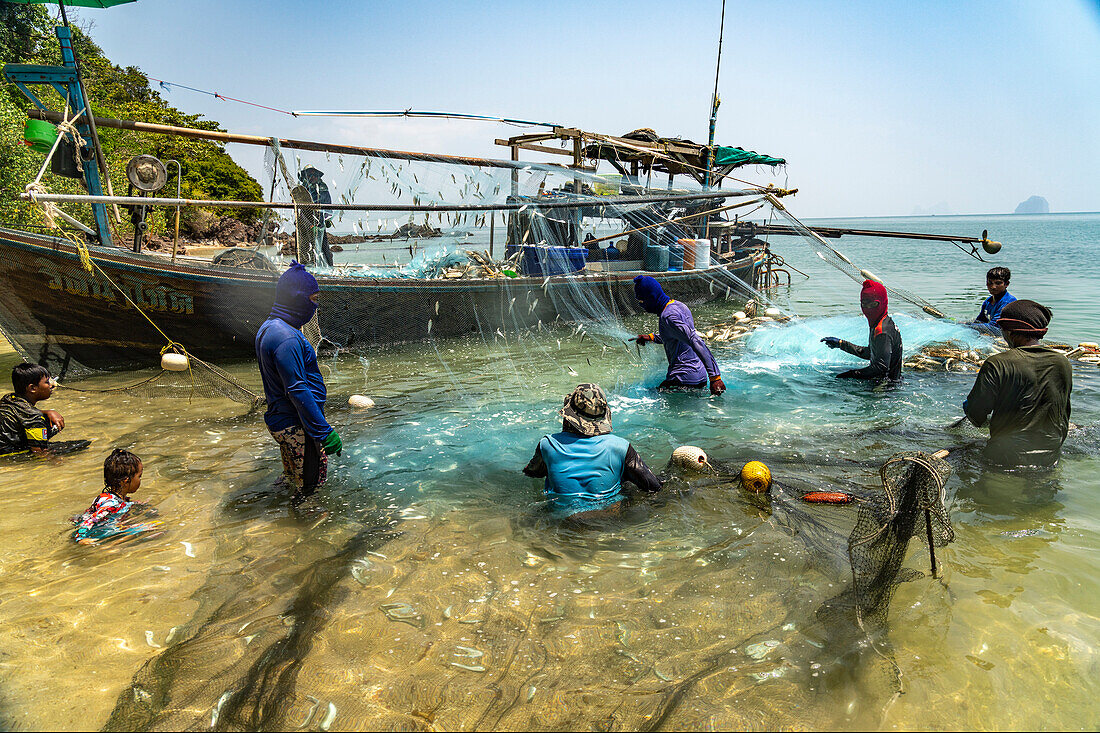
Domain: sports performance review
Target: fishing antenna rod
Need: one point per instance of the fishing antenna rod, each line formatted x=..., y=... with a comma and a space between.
x=594, y=202
x=414, y=113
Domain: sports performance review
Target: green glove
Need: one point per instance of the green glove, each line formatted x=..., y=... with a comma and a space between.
x=332, y=444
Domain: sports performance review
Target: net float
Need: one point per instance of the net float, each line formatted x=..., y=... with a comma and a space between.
x=690, y=458
x=359, y=401
x=756, y=477
x=827, y=497
x=174, y=362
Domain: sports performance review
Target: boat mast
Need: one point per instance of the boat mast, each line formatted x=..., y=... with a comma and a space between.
x=714, y=102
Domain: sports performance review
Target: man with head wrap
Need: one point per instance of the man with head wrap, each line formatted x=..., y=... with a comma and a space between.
x=1026, y=389
x=883, y=347
x=293, y=386
x=585, y=465
x=690, y=362
x=310, y=177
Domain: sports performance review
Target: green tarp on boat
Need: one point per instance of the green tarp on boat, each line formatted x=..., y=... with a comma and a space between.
x=740, y=156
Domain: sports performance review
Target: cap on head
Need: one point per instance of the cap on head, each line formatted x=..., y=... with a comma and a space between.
x=586, y=412
x=1025, y=317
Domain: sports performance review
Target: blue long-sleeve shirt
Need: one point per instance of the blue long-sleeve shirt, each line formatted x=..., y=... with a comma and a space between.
x=689, y=359
x=991, y=313
x=293, y=386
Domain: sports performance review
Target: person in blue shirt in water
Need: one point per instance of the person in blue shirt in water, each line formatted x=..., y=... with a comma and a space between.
x=585, y=465
x=293, y=387
x=996, y=282
x=690, y=363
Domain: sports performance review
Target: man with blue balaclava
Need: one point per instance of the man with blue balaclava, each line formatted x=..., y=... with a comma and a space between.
x=293, y=386
x=690, y=363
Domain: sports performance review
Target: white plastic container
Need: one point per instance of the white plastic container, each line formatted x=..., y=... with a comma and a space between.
x=702, y=254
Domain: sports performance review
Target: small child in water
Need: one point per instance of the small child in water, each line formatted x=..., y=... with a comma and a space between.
x=24, y=427
x=110, y=515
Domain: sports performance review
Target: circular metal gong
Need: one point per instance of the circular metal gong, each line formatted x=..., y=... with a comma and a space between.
x=146, y=173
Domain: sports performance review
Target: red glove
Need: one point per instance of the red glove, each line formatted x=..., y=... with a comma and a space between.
x=717, y=386
x=643, y=337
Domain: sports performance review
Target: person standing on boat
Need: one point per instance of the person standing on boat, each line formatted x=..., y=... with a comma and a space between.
x=318, y=192
x=996, y=282
x=585, y=465
x=883, y=347
x=690, y=363
x=1023, y=392
x=293, y=386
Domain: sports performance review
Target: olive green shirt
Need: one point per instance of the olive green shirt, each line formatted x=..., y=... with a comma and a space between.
x=1027, y=391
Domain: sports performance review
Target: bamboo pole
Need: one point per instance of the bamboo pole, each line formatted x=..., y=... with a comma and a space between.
x=593, y=203
x=229, y=137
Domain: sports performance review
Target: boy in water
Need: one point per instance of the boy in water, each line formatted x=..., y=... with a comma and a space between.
x=996, y=282
x=23, y=426
x=107, y=517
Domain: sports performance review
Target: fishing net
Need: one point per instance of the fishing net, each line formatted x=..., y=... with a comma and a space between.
x=828, y=254
x=201, y=380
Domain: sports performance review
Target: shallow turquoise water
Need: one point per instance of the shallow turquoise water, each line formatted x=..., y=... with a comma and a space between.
x=428, y=588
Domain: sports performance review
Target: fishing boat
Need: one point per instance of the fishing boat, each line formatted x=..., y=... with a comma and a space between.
x=84, y=302
x=58, y=314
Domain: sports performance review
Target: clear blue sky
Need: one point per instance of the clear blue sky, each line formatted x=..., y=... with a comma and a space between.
x=879, y=107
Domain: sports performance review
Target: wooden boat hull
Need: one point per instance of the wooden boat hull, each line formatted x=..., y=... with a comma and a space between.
x=58, y=314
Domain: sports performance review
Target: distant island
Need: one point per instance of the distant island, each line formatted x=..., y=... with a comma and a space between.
x=940, y=209
x=1034, y=205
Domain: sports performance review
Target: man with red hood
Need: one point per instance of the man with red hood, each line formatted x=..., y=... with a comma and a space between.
x=883, y=349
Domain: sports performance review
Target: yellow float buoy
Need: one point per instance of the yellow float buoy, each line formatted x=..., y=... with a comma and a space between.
x=756, y=477
x=690, y=458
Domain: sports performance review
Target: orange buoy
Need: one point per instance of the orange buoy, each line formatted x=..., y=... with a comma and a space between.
x=827, y=497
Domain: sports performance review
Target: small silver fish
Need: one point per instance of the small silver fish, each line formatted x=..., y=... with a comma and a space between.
x=469, y=667
x=218, y=707
x=188, y=549
x=149, y=640
x=429, y=325
x=329, y=717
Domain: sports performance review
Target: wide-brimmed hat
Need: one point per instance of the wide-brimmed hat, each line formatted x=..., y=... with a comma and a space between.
x=586, y=411
x=308, y=170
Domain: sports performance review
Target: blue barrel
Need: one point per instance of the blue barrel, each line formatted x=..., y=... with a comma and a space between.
x=675, y=257
x=543, y=261
x=655, y=258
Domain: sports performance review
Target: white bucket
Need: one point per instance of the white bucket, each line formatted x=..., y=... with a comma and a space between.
x=702, y=254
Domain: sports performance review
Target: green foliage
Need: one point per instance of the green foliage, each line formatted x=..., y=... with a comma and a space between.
x=26, y=36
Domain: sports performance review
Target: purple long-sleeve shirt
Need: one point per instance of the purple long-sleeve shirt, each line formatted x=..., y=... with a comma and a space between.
x=689, y=359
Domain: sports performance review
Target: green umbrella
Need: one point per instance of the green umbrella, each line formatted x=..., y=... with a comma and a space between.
x=72, y=4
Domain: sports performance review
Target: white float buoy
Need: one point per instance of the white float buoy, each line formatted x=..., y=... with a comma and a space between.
x=360, y=402
x=868, y=275
x=174, y=362
x=690, y=458
x=773, y=312
x=740, y=316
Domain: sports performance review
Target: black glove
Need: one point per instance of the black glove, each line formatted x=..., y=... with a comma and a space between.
x=831, y=341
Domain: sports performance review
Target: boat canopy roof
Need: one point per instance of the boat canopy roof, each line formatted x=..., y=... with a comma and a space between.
x=642, y=149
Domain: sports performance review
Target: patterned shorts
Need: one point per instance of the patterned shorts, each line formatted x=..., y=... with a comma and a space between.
x=306, y=472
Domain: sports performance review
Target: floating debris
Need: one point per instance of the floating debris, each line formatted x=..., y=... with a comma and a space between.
x=188, y=549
